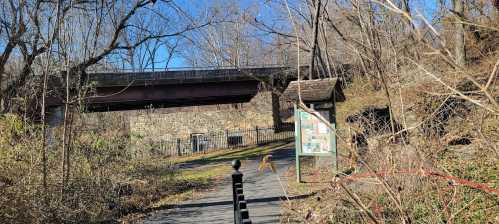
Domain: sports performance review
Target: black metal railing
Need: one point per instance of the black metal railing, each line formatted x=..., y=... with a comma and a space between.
x=200, y=143
x=188, y=68
x=241, y=213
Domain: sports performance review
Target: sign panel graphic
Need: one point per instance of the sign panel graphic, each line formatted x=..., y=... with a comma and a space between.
x=315, y=135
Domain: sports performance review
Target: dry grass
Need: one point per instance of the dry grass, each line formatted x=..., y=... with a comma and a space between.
x=426, y=181
x=205, y=176
x=107, y=181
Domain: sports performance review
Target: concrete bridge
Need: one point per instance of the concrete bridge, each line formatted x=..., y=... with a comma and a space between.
x=172, y=88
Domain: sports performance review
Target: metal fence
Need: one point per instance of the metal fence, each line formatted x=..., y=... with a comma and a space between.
x=185, y=68
x=203, y=143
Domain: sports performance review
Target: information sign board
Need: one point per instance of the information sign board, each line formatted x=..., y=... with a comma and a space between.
x=313, y=137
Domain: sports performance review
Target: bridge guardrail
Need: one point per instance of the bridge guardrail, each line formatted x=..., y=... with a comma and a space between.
x=199, y=68
x=181, y=76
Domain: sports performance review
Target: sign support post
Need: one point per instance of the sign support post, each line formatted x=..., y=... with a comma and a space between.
x=297, y=144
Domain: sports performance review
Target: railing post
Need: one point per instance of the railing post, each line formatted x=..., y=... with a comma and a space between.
x=237, y=180
x=227, y=138
x=179, y=152
x=241, y=213
x=257, y=136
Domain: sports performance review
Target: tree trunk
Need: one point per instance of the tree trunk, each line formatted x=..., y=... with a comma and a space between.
x=414, y=39
x=3, y=61
x=44, y=137
x=459, y=45
x=314, y=45
x=496, y=5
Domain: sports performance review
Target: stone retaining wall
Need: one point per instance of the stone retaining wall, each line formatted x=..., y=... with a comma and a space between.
x=172, y=123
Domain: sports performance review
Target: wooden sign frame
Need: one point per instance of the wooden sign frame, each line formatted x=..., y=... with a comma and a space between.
x=299, y=130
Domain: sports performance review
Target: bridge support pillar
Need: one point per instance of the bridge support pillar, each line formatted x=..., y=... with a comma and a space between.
x=276, y=107
x=55, y=116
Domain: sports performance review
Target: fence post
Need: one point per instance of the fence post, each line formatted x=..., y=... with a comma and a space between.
x=179, y=152
x=237, y=179
x=257, y=136
x=226, y=138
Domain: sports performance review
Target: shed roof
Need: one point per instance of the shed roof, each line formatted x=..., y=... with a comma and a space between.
x=315, y=91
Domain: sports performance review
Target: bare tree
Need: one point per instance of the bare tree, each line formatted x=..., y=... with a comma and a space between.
x=232, y=41
x=61, y=40
x=104, y=29
x=315, y=27
x=459, y=42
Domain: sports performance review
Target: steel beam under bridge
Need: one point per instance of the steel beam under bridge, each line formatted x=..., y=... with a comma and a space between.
x=139, y=90
x=162, y=96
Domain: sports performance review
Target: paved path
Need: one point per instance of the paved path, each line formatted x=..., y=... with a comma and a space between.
x=262, y=190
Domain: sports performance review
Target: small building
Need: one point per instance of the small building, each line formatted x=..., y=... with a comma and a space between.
x=315, y=118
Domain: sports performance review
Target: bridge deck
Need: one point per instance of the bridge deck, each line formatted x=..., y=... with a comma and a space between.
x=122, y=90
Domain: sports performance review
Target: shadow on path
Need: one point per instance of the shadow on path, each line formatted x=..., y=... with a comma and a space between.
x=262, y=192
x=250, y=201
x=240, y=154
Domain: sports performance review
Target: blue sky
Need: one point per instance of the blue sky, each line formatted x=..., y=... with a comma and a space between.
x=271, y=12
x=266, y=13
x=198, y=8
